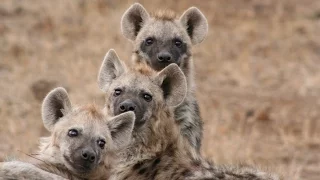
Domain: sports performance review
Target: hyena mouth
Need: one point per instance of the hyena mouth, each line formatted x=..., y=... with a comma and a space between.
x=79, y=167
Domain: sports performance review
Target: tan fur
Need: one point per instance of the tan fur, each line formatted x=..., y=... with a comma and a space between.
x=165, y=15
x=143, y=69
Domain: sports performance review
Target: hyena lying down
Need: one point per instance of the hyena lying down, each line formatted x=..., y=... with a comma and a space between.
x=81, y=145
x=157, y=150
x=162, y=38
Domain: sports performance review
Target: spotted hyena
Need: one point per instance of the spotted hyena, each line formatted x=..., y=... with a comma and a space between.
x=157, y=149
x=163, y=38
x=82, y=142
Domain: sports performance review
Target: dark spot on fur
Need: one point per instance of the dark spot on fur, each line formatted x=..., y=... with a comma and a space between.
x=186, y=173
x=156, y=162
x=137, y=166
x=142, y=171
x=196, y=163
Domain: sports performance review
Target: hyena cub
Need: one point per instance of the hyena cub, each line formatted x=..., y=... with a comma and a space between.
x=82, y=142
x=161, y=39
x=157, y=150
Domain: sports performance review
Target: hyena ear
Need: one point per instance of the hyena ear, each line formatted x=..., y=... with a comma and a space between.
x=55, y=105
x=195, y=23
x=173, y=84
x=110, y=69
x=121, y=127
x=133, y=20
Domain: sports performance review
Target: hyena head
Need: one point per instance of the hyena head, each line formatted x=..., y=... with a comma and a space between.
x=162, y=38
x=141, y=90
x=83, y=135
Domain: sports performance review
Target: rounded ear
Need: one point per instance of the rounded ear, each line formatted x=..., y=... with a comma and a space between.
x=195, y=23
x=133, y=20
x=121, y=127
x=110, y=69
x=173, y=84
x=55, y=105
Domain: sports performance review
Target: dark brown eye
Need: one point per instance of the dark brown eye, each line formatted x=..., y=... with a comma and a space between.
x=73, y=133
x=117, y=92
x=178, y=43
x=147, y=97
x=149, y=41
x=101, y=143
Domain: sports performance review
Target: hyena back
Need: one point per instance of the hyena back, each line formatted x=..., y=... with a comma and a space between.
x=161, y=39
x=157, y=151
x=82, y=142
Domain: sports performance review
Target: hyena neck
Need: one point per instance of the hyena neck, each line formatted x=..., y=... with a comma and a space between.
x=166, y=155
x=160, y=137
x=49, y=159
x=186, y=66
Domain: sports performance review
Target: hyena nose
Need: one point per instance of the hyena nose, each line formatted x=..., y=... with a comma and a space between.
x=127, y=105
x=88, y=155
x=164, y=57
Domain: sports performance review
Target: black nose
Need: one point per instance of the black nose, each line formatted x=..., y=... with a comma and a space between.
x=127, y=105
x=88, y=155
x=164, y=57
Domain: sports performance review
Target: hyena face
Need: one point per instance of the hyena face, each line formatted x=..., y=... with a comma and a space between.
x=162, y=38
x=140, y=90
x=83, y=135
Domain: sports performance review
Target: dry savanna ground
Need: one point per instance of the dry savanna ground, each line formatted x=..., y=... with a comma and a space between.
x=257, y=74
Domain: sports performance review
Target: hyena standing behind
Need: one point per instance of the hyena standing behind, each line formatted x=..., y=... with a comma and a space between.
x=158, y=151
x=162, y=39
x=81, y=145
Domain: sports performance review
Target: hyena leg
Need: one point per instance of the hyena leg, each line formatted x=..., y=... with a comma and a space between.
x=23, y=171
x=188, y=117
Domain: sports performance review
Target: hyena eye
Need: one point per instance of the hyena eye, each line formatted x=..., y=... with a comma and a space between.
x=147, y=97
x=178, y=42
x=149, y=41
x=101, y=143
x=73, y=133
x=117, y=92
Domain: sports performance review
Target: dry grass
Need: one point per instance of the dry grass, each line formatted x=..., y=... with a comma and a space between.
x=258, y=74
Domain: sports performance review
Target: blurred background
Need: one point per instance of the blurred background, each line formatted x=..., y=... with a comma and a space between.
x=257, y=74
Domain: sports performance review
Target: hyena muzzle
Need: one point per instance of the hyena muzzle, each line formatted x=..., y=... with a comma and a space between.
x=161, y=39
x=82, y=144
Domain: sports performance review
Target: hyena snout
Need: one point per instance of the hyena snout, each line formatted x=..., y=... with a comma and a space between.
x=131, y=104
x=85, y=159
x=164, y=57
x=88, y=155
x=127, y=105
